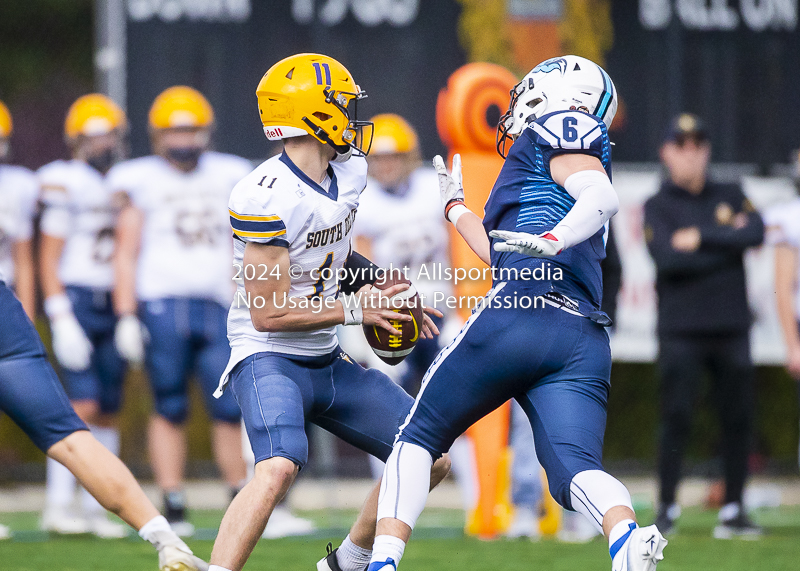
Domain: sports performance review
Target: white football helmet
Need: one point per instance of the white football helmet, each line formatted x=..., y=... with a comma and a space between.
x=557, y=84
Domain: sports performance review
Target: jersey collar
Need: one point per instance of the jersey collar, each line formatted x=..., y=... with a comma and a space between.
x=332, y=192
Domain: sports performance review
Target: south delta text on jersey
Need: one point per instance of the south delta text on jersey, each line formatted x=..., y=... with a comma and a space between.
x=526, y=199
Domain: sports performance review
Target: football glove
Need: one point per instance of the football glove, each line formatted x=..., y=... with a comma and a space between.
x=451, y=188
x=129, y=338
x=70, y=343
x=544, y=245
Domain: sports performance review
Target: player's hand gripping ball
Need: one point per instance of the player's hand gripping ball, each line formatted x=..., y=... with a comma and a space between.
x=392, y=349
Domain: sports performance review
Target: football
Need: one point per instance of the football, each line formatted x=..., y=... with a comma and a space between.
x=392, y=349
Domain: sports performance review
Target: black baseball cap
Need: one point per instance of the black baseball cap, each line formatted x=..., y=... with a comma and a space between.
x=686, y=126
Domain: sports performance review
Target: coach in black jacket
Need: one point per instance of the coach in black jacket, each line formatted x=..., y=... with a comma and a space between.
x=697, y=232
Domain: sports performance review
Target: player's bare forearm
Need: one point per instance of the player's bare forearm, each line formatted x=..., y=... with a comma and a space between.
x=280, y=312
x=470, y=226
x=786, y=260
x=126, y=257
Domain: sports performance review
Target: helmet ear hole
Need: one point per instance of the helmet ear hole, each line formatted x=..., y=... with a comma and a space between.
x=533, y=103
x=321, y=116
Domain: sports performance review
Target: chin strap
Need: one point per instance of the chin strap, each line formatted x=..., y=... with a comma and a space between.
x=322, y=135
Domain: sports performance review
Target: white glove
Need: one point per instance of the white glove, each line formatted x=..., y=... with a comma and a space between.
x=451, y=188
x=129, y=338
x=544, y=245
x=70, y=343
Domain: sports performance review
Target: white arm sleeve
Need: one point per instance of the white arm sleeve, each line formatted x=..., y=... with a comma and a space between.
x=595, y=203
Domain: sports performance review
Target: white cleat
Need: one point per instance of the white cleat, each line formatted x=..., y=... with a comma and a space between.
x=182, y=528
x=282, y=523
x=524, y=524
x=645, y=549
x=63, y=522
x=5, y=532
x=179, y=558
x=104, y=528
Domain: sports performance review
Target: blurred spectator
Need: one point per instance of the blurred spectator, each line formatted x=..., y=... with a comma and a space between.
x=783, y=230
x=19, y=191
x=77, y=279
x=173, y=285
x=697, y=231
x=612, y=276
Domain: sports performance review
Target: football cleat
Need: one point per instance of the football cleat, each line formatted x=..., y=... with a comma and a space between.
x=282, y=523
x=329, y=562
x=740, y=526
x=642, y=551
x=179, y=558
x=524, y=524
x=388, y=565
x=61, y=521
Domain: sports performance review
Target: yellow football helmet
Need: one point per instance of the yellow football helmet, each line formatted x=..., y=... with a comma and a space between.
x=93, y=114
x=180, y=107
x=311, y=94
x=393, y=134
x=6, y=124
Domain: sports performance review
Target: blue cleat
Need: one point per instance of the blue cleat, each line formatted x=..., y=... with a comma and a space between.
x=388, y=565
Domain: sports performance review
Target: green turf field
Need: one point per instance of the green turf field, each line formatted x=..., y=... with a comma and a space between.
x=438, y=545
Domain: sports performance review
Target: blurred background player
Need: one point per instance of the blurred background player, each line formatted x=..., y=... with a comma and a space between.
x=697, y=231
x=34, y=399
x=77, y=279
x=19, y=192
x=783, y=231
x=173, y=273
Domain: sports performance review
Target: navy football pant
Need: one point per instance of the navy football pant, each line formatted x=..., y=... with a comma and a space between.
x=557, y=365
x=102, y=381
x=279, y=393
x=30, y=392
x=187, y=336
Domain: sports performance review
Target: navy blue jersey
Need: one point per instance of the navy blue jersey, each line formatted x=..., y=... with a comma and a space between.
x=526, y=199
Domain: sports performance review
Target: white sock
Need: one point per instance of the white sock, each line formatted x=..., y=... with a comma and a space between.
x=108, y=437
x=594, y=492
x=217, y=568
x=60, y=486
x=406, y=483
x=387, y=547
x=616, y=543
x=729, y=511
x=158, y=532
x=351, y=557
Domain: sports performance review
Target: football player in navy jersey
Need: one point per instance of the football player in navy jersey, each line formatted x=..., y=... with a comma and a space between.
x=539, y=341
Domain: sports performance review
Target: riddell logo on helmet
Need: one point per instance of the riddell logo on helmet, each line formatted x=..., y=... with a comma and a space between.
x=273, y=132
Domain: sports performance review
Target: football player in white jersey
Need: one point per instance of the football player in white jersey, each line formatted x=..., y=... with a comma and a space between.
x=173, y=284
x=19, y=192
x=77, y=279
x=292, y=218
x=399, y=187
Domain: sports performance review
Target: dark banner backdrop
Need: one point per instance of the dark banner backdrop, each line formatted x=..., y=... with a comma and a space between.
x=400, y=51
x=734, y=63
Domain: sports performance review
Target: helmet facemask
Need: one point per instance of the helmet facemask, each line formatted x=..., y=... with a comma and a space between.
x=353, y=136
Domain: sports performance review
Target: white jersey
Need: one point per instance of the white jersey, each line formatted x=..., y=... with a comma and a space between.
x=78, y=209
x=278, y=204
x=407, y=229
x=19, y=191
x=783, y=227
x=186, y=238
